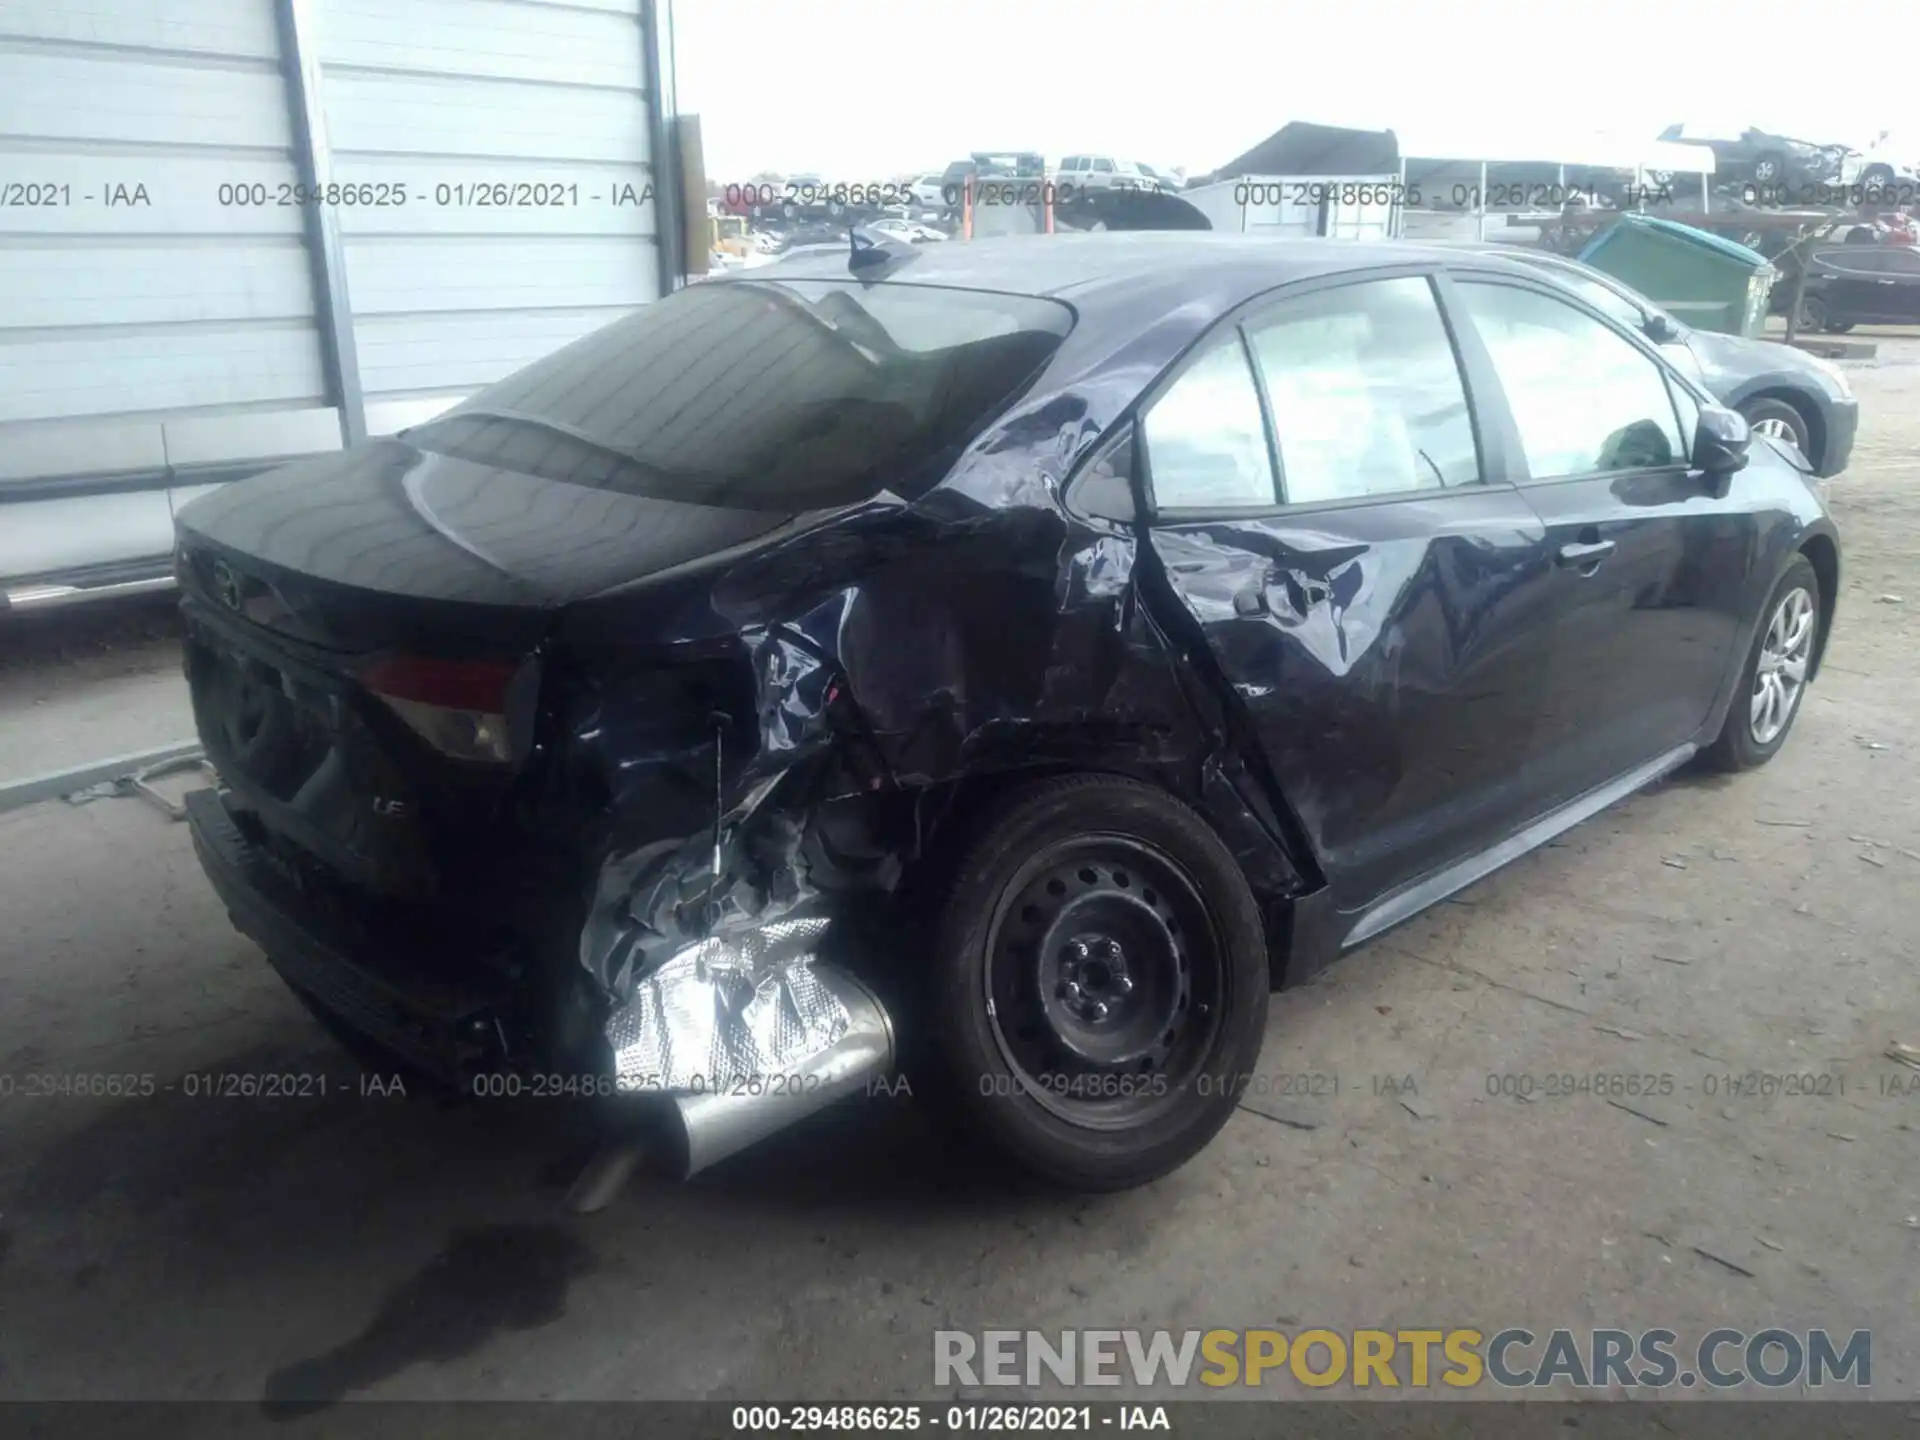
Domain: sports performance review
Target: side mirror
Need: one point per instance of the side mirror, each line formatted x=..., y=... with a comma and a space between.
x=1661, y=329
x=1720, y=442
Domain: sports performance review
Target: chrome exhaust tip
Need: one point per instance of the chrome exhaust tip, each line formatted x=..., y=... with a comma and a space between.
x=705, y=1129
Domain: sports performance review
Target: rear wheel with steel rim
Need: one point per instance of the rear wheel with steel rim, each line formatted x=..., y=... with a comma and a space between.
x=1099, y=979
x=1102, y=976
x=1774, y=680
x=1813, y=313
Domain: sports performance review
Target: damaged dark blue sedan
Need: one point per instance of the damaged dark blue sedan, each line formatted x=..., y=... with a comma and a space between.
x=1008, y=661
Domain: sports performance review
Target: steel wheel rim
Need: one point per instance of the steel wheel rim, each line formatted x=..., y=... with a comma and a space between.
x=1049, y=966
x=1775, y=428
x=1781, y=674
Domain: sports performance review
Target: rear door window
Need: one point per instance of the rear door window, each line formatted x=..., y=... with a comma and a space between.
x=1206, y=441
x=764, y=395
x=1365, y=392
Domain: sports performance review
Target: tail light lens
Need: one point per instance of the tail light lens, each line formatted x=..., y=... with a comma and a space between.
x=457, y=706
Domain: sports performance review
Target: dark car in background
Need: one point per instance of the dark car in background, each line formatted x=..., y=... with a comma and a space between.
x=1857, y=284
x=1011, y=660
x=1782, y=392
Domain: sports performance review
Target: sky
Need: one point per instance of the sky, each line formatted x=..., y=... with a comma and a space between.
x=869, y=89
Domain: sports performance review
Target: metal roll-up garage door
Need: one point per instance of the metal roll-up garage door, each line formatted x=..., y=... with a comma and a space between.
x=519, y=131
x=149, y=325
x=237, y=231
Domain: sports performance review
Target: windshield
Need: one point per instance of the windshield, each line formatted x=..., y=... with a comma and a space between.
x=766, y=395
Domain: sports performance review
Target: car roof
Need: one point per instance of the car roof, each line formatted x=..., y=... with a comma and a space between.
x=1082, y=267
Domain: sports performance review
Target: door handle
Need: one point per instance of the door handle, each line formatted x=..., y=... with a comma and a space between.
x=1585, y=554
x=1302, y=592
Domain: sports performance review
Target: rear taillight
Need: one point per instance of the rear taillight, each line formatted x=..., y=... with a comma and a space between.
x=457, y=706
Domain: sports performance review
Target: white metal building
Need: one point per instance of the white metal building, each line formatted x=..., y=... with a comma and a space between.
x=182, y=300
x=1340, y=207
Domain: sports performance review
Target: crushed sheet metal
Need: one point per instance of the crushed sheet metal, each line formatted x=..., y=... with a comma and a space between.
x=742, y=1003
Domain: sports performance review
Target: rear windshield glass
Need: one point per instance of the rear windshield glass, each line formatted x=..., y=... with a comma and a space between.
x=764, y=395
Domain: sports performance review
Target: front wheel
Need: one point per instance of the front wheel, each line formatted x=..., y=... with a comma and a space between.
x=1813, y=313
x=1778, y=419
x=1099, y=983
x=1774, y=679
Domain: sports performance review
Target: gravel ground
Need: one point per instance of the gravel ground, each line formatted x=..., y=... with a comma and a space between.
x=365, y=1246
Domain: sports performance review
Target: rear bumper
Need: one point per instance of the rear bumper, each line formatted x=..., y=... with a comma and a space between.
x=1843, y=423
x=450, y=1030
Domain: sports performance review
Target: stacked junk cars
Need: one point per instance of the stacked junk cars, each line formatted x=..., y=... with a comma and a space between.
x=1790, y=202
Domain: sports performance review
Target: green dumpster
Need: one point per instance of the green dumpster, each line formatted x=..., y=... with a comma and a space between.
x=1709, y=282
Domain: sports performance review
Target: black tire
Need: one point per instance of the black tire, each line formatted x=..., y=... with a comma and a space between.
x=1837, y=327
x=1813, y=313
x=1152, y=874
x=1736, y=747
x=1769, y=170
x=1757, y=411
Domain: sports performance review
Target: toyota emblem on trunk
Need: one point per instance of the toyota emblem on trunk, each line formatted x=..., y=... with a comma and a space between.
x=226, y=585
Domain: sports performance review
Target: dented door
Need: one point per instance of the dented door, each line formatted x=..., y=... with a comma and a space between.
x=1391, y=659
x=1371, y=599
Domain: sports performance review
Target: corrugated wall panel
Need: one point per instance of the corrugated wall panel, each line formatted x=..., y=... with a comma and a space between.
x=212, y=27
x=520, y=132
x=158, y=313
x=416, y=354
x=50, y=286
x=137, y=101
x=69, y=373
x=503, y=39
x=372, y=115
x=144, y=284
x=395, y=275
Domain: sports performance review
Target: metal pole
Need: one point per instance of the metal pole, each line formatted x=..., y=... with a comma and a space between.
x=656, y=42
x=339, y=356
x=1800, y=251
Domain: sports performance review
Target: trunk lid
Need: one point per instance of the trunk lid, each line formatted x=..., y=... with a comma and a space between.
x=350, y=616
x=385, y=541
